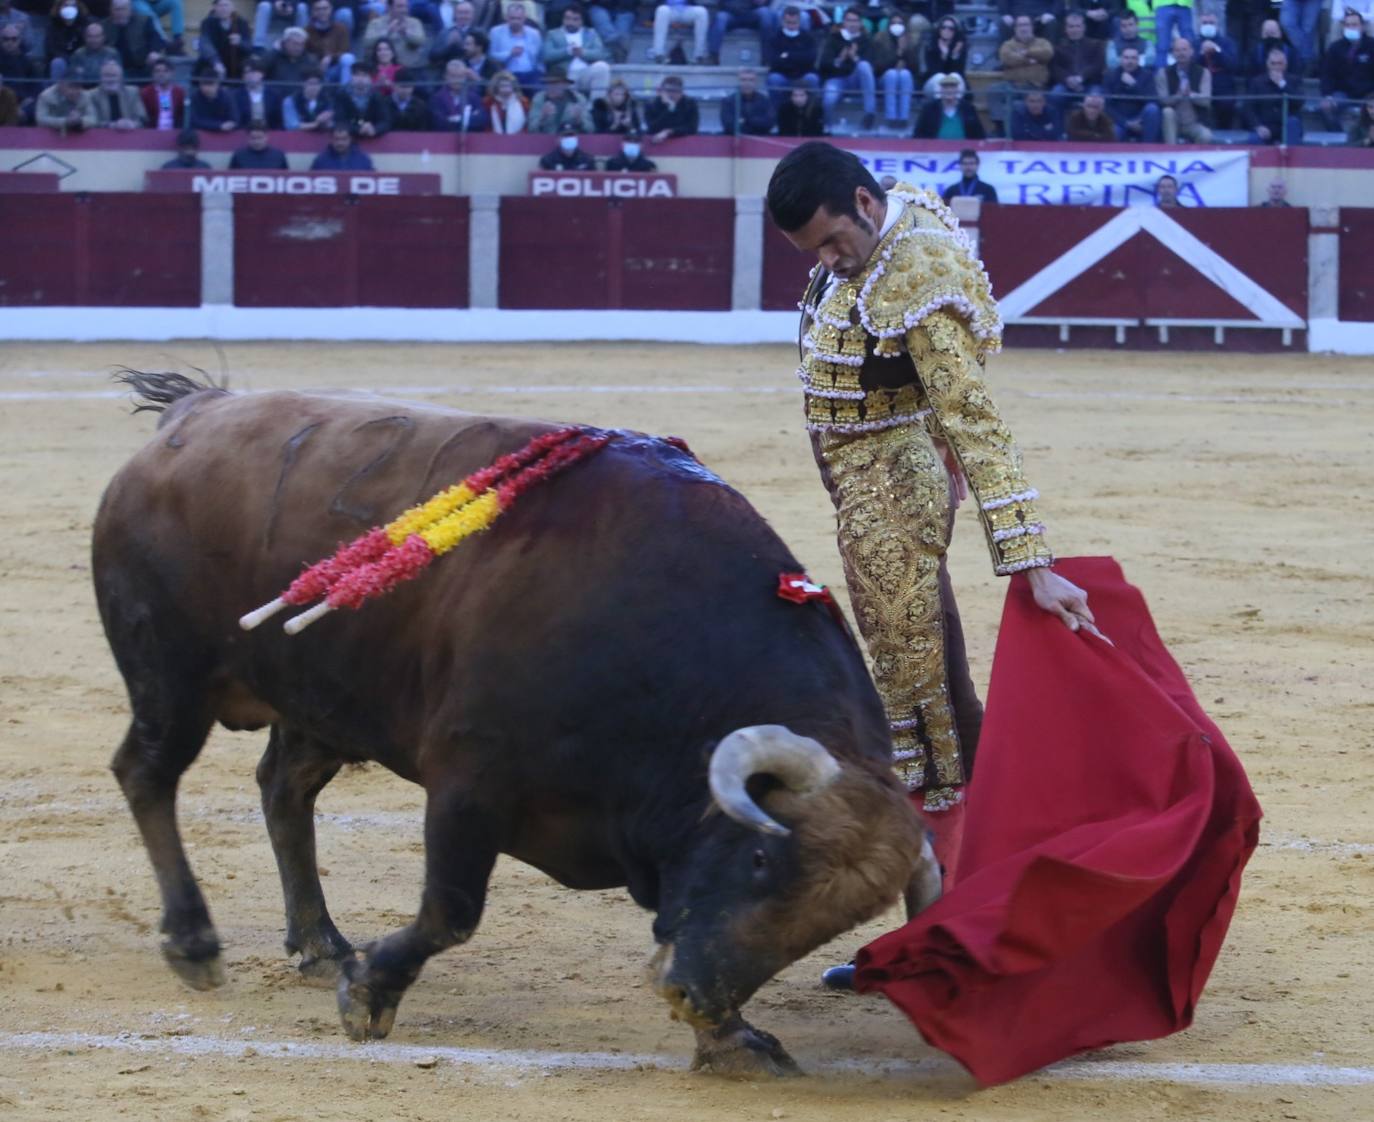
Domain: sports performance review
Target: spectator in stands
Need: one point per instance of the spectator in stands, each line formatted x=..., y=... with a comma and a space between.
x=800, y=114
x=1184, y=91
x=558, y=104
x=360, y=108
x=1129, y=88
x=65, y=106
x=343, y=153
x=1347, y=71
x=1097, y=17
x=757, y=15
x=618, y=111
x=257, y=105
x=1298, y=19
x=952, y=117
x=1035, y=119
x=749, y=111
x=1273, y=37
x=117, y=106
x=211, y=108
x=631, y=156
x=579, y=49
x=457, y=105
x=679, y=13
x=1275, y=101
x=308, y=108
x=383, y=64
x=188, y=153
x=1039, y=12
x=1218, y=55
x=270, y=19
x=409, y=109
x=1079, y=62
x=258, y=155
x=12, y=17
x=793, y=55
x=672, y=112
x=134, y=37
x=479, y=63
x=945, y=52
x=328, y=40
x=1025, y=57
x=163, y=100
x=508, y=108
x=568, y=156
x=843, y=67
x=86, y=62
x=176, y=19
x=1277, y=195
x=23, y=75
x=1166, y=192
x=1173, y=20
x=66, y=33
x=449, y=42
x=1128, y=35
x=969, y=185
x=10, y=113
x=406, y=33
x=287, y=66
x=225, y=38
x=1361, y=134
x=516, y=46
x=1089, y=122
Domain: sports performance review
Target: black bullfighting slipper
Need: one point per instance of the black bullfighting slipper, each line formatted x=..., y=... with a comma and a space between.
x=839, y=978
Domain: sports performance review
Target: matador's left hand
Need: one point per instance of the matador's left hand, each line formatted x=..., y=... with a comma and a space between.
x=1065, y=599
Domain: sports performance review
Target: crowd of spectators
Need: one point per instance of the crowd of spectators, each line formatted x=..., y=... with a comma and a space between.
x=1095, y=71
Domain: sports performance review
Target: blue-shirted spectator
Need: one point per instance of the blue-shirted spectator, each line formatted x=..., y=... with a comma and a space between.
x=343, y=153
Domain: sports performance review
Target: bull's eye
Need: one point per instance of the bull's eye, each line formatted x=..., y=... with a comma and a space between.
x=760, y=860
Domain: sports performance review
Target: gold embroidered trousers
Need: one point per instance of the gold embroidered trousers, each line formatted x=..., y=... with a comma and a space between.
x=895, y=515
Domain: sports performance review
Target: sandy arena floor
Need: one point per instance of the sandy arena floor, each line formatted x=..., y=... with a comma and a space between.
x=1237, y=491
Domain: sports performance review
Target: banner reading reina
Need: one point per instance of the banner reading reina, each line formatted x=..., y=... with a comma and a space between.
x=1082, y=177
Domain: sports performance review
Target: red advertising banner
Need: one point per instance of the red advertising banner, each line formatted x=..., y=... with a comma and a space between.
x=292, y=182
x=603, y=185
x=28, y=182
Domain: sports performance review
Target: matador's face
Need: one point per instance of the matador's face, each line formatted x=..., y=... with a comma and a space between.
x=843, y=244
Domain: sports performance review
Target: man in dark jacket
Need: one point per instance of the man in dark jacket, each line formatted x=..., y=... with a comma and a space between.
x=672, y=112
x=749, y=112
x=1034, y=119
x=791, y=56
x=20, y=73
x=212, y=108
x=343, y=153
x=568, y=156
x=631, y=156
x=952, y=117
x=256, y=102
x=136, y=38
x=1218, y=54
x=1347, y=70
x=1129, y=88
x=1275, y=101
x=188, y=153
x=258, y=155
x=1079, y=62
x=844, y=66
x=287, y=66
x=969, y=185
x=409, y=110
x=360, y=108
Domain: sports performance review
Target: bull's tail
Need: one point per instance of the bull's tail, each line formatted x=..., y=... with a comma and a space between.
x=156, y=392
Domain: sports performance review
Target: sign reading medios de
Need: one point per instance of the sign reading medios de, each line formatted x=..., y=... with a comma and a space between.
x=293, y=182
x=603, y=184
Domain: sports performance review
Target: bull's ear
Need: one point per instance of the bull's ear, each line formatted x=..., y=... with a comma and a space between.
x=800, y=764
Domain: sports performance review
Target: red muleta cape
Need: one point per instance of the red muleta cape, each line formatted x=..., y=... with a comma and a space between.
x=1106, y=829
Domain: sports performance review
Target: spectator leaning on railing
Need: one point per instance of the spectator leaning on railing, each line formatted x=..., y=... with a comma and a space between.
x=508, y=107
x=257, y=103
x=457, y=105
x=212, y=108
x=1129, y=89
x=409, y=109
x=748, y=111
x=1274, y=104
x=164, y=100
x=309, y=109
x=1347, y=71
x=1035, y=119
x=672, y=113
x=117, y=106
x=65, y=106
x=619, y=112
x=360, y=108
x=1184, y=91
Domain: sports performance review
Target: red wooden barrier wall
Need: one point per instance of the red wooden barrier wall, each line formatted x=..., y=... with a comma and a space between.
x=785, y=270
x=668, y=254
x=311, y=252
x=1357, y=265
x=112, y=250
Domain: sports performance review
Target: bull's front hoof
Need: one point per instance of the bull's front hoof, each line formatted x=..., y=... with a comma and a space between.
x=321, y=971
x=366, y=1012
x=196, y=961
x=737, y=1050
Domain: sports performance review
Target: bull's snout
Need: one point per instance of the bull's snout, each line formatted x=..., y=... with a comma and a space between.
x=703, y=997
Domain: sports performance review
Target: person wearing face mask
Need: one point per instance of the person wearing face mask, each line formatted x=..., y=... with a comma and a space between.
x=631, y=156
x=1217, y=54
x=1275, y=101
x=1272, y=38
x=66, y=34
x=117, y=106
x=792, y=56
x=1347, y=71
x=896, y=58
x=568, y=156
x=844, y=67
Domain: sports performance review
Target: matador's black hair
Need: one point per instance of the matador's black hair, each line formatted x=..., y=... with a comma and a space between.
x=816, y=175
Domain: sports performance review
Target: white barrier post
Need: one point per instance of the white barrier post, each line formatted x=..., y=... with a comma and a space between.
x=1323, y=263
x=484, y=251
x=746, y=284
x=216, y=247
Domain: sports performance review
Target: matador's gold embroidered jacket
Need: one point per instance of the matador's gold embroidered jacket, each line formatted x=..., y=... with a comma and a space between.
x=903, y=343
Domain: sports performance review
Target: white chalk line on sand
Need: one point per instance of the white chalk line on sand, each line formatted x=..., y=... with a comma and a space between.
x=530, y=1061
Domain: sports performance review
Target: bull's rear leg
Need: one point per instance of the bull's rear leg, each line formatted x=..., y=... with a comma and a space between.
x=293, y=771
x=159, y=747
x=460, y=850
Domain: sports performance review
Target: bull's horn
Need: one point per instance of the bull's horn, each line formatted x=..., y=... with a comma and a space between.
x=798, y=762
